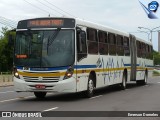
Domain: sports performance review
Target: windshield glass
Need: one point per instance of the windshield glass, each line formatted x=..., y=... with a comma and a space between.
x=46, y=48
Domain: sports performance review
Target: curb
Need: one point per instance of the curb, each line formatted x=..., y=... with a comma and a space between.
x=6, y=84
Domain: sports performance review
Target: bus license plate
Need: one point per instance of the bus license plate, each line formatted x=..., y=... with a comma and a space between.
x=40, y=86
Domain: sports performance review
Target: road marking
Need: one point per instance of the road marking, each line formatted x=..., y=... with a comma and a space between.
x=7, y=92
x=15, y=99
x=50, y=109
x=9, y=100
x=95, y=97
x=18, y=98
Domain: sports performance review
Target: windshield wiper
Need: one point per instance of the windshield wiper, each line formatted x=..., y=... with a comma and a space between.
x=52, y=38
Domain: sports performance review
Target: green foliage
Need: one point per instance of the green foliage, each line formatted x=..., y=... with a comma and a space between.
x=156, y=73
x=6, y=52
x=156, y=56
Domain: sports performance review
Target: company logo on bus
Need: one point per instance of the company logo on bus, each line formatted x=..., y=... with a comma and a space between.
x=40, y=78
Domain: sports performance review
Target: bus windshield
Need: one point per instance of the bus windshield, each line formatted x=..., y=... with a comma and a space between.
x=44, y=48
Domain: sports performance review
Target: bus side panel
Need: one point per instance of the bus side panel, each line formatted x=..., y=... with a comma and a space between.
x=140, y=69
x=149, y=67
x=84, y=67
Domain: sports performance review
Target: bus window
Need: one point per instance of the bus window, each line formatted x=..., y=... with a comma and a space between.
x=143, y=50
x=126, y=46
x=81, y=45
x=150, y=52
x=92, y=41
x=112, y=44
x=103, y=46
x=139, y=50
x=120, y=49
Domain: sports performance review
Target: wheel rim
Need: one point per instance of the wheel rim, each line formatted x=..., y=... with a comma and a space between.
x=145, y=79
x=124, y=83
x=90, y=86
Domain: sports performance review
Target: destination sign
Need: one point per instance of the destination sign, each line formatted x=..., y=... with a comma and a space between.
x=46, y=23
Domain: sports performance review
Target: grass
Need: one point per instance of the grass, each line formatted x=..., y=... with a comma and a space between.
x=156, y=73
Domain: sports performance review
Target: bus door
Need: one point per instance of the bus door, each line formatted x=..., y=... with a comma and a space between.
x=133, y=49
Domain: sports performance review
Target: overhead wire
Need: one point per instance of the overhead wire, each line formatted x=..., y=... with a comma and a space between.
x=7, y=22
x=39, y=8
x=49, y=7
x=59, y=8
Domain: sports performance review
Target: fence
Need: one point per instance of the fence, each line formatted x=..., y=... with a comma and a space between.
x=6, y=79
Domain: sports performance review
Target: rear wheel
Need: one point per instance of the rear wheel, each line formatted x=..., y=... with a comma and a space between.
x=40, y=95
x=144, y=81
x=124, y=80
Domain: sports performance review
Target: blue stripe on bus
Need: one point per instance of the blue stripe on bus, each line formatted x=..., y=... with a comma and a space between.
x=127, y=64
x=75, y=66
x=60, y=68
x=84, y=66
x=45, y=69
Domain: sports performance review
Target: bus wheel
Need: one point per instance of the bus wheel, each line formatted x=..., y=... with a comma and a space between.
x=40, y=94
x=144, y=81
x=90, y=88
x=123, y=84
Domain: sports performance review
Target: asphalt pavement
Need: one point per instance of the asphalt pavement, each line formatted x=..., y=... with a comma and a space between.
x=134, y=98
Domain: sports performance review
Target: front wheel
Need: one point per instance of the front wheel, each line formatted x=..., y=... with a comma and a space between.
x=40, y=95
x=90, y=89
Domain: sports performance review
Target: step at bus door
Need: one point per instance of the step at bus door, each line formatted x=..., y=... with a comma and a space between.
x=133, y=50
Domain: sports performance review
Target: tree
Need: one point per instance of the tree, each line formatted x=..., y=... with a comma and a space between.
x=156, y=56
x=6, y=51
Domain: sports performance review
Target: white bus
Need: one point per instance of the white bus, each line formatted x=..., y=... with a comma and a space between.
x=66, y=55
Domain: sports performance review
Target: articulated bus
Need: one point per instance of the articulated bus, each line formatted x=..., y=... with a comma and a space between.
x=67, y=55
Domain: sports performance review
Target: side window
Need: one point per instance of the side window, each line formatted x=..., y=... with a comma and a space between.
x=147, y=51
x=151, y=52
x=103, y=43
x=126, y=46
x=92, y=41
x=143, y=50
x=120, y=48
x=81, y=45
x=112, y=43
x=139, y=47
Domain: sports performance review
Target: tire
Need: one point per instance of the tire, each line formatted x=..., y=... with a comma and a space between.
x=123, y=84
x=144, y=81
x=90, y=89
x=40, y=95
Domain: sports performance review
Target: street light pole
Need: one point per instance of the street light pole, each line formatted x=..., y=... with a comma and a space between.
x=146, y=33
x=150, y=30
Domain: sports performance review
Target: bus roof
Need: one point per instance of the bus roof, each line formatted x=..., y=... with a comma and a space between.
x=100, y=27
x=144, y=41
x=85, y=23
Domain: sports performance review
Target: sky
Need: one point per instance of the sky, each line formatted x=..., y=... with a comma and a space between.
x=125, y=15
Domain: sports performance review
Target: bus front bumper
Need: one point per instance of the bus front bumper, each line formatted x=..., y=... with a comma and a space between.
x=64, y=86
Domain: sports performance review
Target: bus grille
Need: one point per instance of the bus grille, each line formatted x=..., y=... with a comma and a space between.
x=41, y=79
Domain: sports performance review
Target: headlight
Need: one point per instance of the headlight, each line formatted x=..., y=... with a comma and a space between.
x=69, y=73
x=16, y=73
